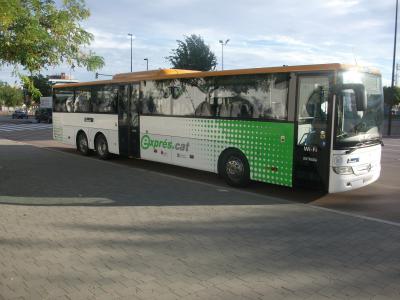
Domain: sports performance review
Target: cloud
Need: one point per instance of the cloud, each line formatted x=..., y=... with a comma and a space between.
x=341, y=3
x=108, y=40
x=262, y=33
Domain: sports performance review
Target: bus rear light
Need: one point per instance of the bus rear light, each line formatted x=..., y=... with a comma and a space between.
x=343, y=170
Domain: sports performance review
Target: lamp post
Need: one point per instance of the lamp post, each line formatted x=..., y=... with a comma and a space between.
x=393, y=68
x=222, y=45
x=147, y=63
x=131, y=35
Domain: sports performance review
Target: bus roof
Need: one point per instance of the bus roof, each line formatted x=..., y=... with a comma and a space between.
x=177, y=73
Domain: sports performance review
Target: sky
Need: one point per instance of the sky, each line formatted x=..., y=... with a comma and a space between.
x=262, y=33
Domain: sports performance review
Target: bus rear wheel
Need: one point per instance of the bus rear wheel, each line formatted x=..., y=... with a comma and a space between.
x=101, y=146
x=234, y=168
x=82, y=144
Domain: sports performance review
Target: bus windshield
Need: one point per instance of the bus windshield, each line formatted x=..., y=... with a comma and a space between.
x=356, y=128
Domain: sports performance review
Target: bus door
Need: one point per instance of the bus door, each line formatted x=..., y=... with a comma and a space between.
x=128, y=120
x=312, y=148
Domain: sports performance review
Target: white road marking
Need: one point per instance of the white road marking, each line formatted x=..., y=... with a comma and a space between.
x=22, y=127
x=355, y=215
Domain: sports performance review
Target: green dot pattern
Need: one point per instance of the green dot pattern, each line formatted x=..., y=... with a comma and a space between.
x=268, y=146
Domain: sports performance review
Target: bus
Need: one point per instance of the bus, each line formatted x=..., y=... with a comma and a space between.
x=315, y=125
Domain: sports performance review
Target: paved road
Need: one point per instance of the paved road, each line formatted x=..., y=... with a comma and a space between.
x=24, y=127
x=73, y=227
x=7, y=119
x=379, y=200
x=395, y=127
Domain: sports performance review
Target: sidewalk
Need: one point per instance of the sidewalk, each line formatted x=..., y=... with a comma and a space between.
x=105, y=231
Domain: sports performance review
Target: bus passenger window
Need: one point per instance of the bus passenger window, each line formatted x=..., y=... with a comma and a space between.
x=185, y=100
x=70, y=104
x=224, y=110
x=156, y=98
x=149, y=106
x=262, y=96
x=82, y=101
x=105, y=99
x=62, y=100
x=204, y=110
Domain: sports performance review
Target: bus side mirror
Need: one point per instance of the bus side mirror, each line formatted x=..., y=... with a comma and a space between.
x=359, y=92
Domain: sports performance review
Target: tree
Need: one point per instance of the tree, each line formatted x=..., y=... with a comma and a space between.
x=42, y=84
x=391, y=96
x=10, y=96
x=193, y=54
x=37, y=34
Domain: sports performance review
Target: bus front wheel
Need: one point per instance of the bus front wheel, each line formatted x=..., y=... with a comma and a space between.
x=82, y=144
x=102, y=147
x=234, y=168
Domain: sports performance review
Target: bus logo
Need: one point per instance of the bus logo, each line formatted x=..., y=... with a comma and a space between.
x=147, y=142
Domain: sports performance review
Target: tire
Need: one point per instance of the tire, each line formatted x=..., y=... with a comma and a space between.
x=101, y=147
x=38, y=120
x=234, y=168
x=82, y=144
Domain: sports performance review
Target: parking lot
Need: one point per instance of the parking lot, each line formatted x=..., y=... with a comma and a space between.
x=76, y=227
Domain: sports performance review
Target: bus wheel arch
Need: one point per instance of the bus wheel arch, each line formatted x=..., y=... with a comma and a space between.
x=101, y=146
x=82, y=143
x=234, y=167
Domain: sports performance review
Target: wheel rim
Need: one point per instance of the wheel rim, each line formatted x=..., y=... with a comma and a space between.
x=234, y=168
x=83, y=146
x=101, y=147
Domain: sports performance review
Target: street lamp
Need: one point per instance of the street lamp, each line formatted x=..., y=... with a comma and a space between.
x=147, y=63
x=222, y=45
x=393, y=67
x=131, y=35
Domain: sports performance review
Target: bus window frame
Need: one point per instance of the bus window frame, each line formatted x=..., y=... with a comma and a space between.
x=286, y=119
x=93, y=89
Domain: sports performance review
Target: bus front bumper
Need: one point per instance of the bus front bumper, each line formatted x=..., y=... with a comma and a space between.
x=342, y=183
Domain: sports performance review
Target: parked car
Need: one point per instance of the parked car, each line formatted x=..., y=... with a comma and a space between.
x=20, y=114
x=44, y=115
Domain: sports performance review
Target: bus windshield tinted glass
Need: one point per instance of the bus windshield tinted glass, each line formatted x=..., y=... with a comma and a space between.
x=353, y=126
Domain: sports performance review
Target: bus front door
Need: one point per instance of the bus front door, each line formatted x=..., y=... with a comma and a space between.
x=128, y=120
x=311, y=167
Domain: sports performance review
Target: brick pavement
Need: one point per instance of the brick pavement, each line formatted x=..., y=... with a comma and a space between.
x=105, y=242
x=276, y=251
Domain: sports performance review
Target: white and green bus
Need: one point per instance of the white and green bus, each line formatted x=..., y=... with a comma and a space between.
x=317, y=125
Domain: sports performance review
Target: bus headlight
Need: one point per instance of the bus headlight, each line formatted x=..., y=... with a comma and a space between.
x=343, y=170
